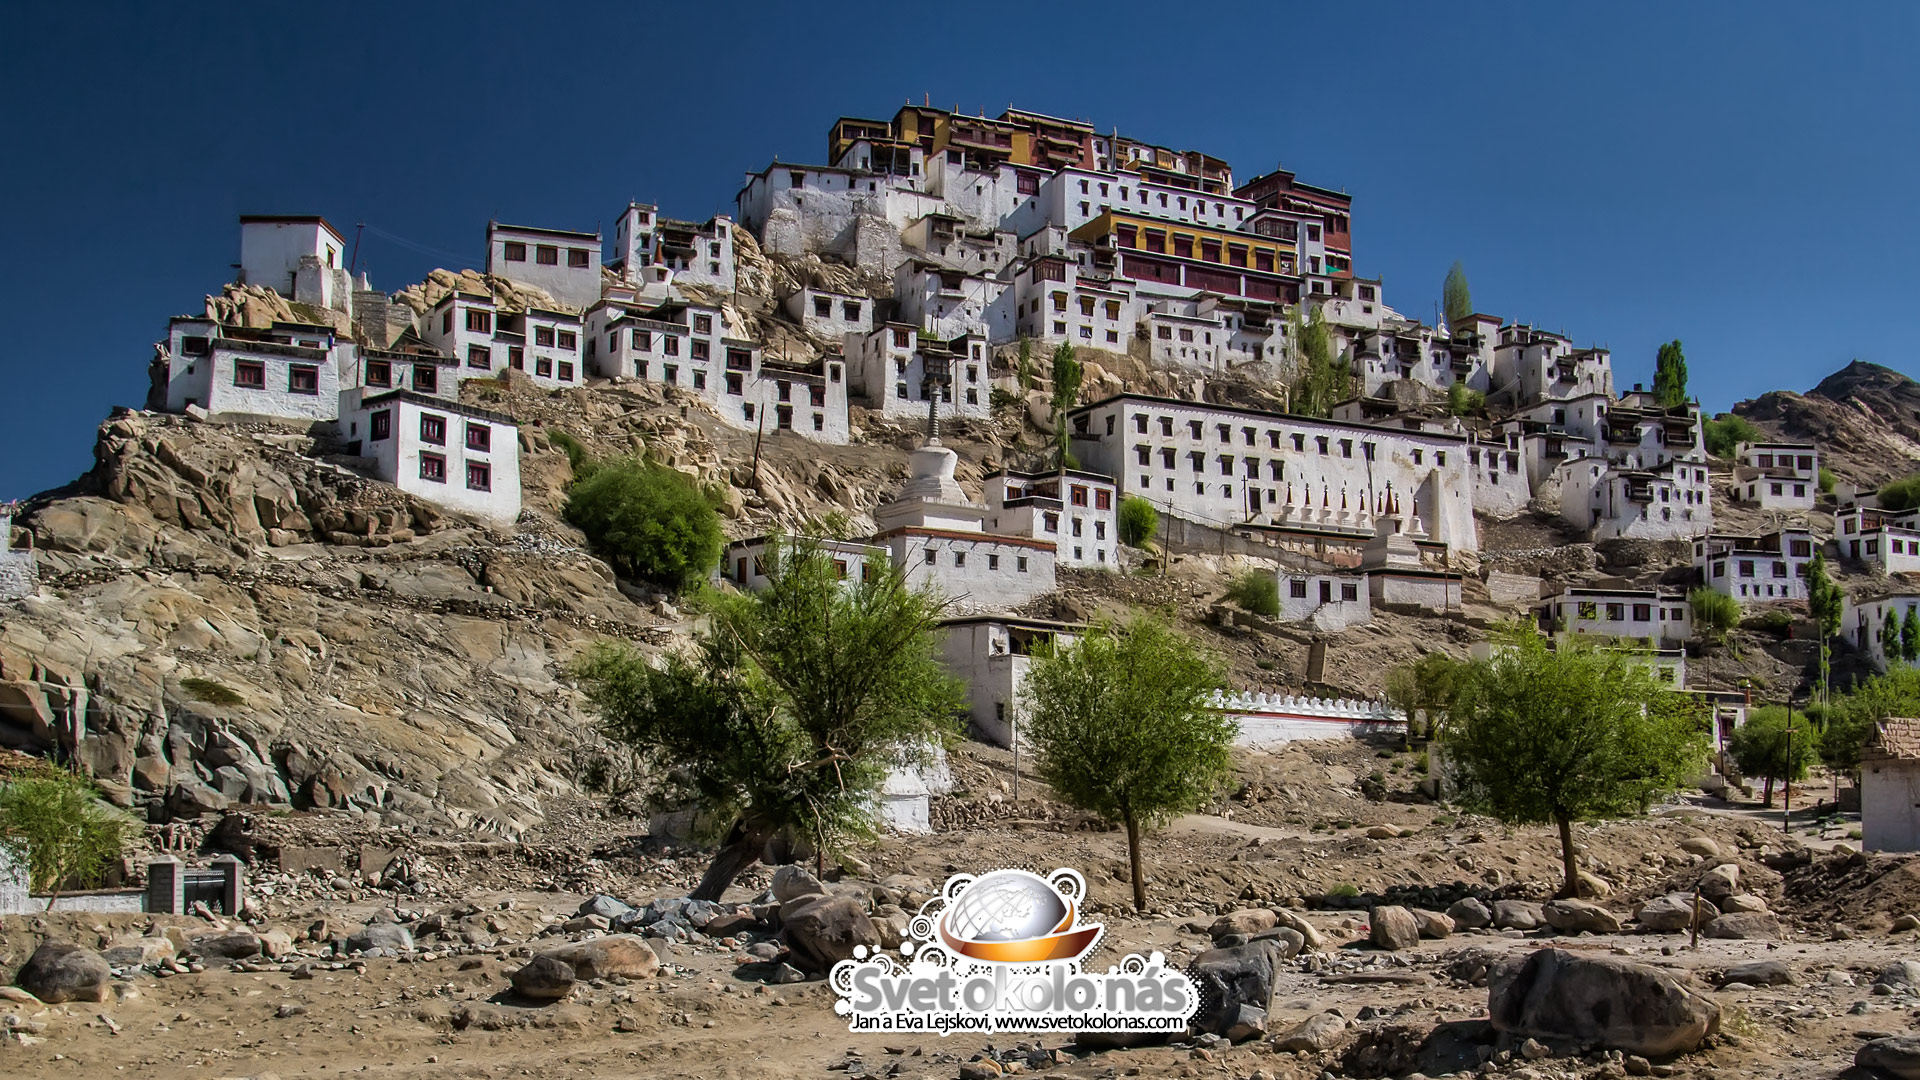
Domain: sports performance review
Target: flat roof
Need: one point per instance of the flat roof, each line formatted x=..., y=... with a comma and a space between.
x=292, y=219
x=1013, y=620
x=412, y=398
x=1240, y=410
x=533, y=230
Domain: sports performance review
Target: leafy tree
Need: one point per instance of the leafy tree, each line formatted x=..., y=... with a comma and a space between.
x=1826, y=480
x=54, y=822
x=1670, y=375
x=1256, y=591
x=791, y=708
x=650, y=522
x=1726, y=432
x=1764, y=746
x=1427, y=687
x=1557, y=733
x=1122, y=730
x=1462, y=399
x=1026, y=363
x=1321, y=380
x=1825, y=600
x=1902, y=494
x=1138, y=521
x=1890, y=638
x=1455, y=298
x=1715, y=614
x=1067, y=374
x=1910, y=636
x=1848, y=721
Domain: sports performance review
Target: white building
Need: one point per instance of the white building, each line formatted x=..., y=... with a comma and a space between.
x=290, y=370
x=564, y=264
x=695, y=253
x=937, y=537
x=990, y=654
x=453, y=455
x=1668, y=502
x=889, y=367
x=746, y=562
x=946, y=303
x=1056, y=299
x=1890, y=787
x=19, y=573
x=1084, y=526
x=272, y=248
x=1645, y=615
x=831, y=315
x=1330, y=601
x=1532, y=365
x=1756, y=569
x=1224, y=465
x=1883, y=540
x=1777, y=476
x=1862, y=621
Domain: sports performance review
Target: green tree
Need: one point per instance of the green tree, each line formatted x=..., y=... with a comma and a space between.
x=1456, y=300
x=1425, y=689
x=1715, y=614
x=791, y=708
x=650, y=522
x=1826, y=480
x=1900, y=495
x=1026, y=363
x=54, y=822
x=1725, y=432
x=1670, y=375
x=1122, y=730
x=1138, y=521
x=1825, y=601
x=1765, y=746
x=1848, y=721
x=1890, y=638
x=1321, y=379
x=1563, y=732
x=1910, y=636
x=1462, y=399
x=1257, y=591
x=1067, y=374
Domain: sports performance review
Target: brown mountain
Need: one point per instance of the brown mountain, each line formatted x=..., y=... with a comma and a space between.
x=1865, y=417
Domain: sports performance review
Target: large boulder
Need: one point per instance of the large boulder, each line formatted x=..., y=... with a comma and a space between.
x=1674, y=911
x=227, y=944
x=1897, y=1056
x=1432, y=923
x=1703, y=846
x=1321, y=1031
x=1469, y=913
x=544, y=978
x=1599, y=1001
x=1575, y=916
x=60, y=971
x=1393, y=927
x=1248, y=921
x=1742, y=902
x=824, y=932
x=1720, y=882
x=140, y=951
x=1310, y=938
x=791, y=882
x=607, y=907
x=598, y=958
x=1759, y=973
x=380, y=936
x=1233, y=981
x=1517, y=915
x=1899, y=973
x=1745, y=926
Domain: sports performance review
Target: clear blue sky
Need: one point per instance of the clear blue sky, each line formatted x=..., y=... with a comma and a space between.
x=1740, y=176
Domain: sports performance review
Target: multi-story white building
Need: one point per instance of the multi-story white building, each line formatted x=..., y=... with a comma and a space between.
x=889, y=369
x=1756, y=569
x=1777, y=476
x=1863, y=621
x=991, y=654
x=273, y=247
x=1056, y=299
x=566, y=265
x=938, y=538
x=1670, y=502
x=1885, y=540
x=696, y=253
x=290, y=370
x=410, y=365
x=1654, y=616
x=947, y=303
x=454, y=455
x=746, y=562
x=1531, y=365
x=485, y=340
x=1084, y=525
x=1330, y=601
x=1224, y=465
x=831, y=315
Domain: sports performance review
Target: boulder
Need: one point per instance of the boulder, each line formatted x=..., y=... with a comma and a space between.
x=1590, y=887
x=1248, y=921
x=607, y=907
x=1517, y=915
x=1393, y=928
x=1745, y=926
x=1470, y=913
x=275, y=944
x=1672, y=912
x=1720, y=882
x=1575, y=916
x=1248, y=1022
x=1560, y=997
x=380, y=936
x=1906, y=922
x=599, y=958
x=1311, y=938
x=1740, y=902
x=1703, y=846
x=1227, y=979
x=1321, y=1031
x=60, y=971
x=824, y=932
x=1432, y=924
x=1897, y=1056
x=791, y=882
x=1759, y=973
x=227, y=945
x=140, y=951
x=1291, y=941
x=544, y=978
x=1899, y=973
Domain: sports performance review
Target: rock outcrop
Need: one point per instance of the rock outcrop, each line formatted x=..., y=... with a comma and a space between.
x=1558, y=997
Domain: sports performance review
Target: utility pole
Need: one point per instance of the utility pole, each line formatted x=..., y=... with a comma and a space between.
x=1786, y=805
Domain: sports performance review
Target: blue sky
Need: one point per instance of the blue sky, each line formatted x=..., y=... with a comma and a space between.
x=1739, y=176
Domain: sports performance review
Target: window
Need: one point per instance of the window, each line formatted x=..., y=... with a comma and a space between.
x=479, y=356
x=516, y=358
x=930, y=556
x=479, y=476
x=433, y=467
x=993, y=561
x=1297, y=589
x=850, y=310
x=547, y=255
x=959, y=558
x=543, y=367
x=303, y=379
x=250, y=375
x=1020, y=563
x=1746, y=567
x=426, y=378
x=1616, y=612
x=671, y=374
x=566, y=371
x=379, y=373
x=433, y=429
x=543, y=335
x=380, y=425
x=640, y=339
x=479, y=322
x=479, y=436
x=1642, y=612
x=1349, y=591
x=703, y=324
x=516, y=251
x=577, y=258
x=446, y=321
x=1103, y=499
x=1051, y=522
x=569, y=340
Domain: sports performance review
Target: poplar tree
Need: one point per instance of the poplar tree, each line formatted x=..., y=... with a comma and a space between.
x=1456, y=300
x=1910, y=636
x=1067, y=374
x=1670, y=375
x=1825, y=600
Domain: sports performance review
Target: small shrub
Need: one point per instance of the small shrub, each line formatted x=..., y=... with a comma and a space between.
x=1727, y=431
x=1346, y=890
x=1854, y=834
x=1715, y=614
x=1138, y=521
x=1256, y=592
x=1774, y=621
x=1826, y=480
x=648, y=521
x=1003, y=400
x=211, y=692
x=577, y=457
x=1902, y=494
x=1424, y=764
x=1265, y=664
x=64, y=834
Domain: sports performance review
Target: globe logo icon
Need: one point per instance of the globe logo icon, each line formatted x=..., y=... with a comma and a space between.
x=1013, y=916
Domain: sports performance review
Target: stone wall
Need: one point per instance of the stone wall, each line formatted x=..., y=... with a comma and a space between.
x=19, y=575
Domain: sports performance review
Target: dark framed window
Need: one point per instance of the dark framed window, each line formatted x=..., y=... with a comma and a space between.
x=479, y=322
x=303, y=379
x=433, y=429
x=426, y=378
x=479, y=436
x=433, y=467
x=516, y=251
x=569, y=340
x=380, y=425
x=547, y=255
x=479, y=476
x=577, y=258
x=250, y=374
x=543, y=335
x=379, y=373
x=479, y=356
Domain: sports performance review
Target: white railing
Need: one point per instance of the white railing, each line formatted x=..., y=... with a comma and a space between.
x=1330, y=708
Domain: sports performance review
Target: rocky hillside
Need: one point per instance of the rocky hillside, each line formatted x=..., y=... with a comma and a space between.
x=1865, y=417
